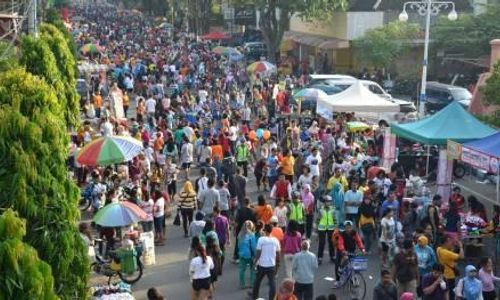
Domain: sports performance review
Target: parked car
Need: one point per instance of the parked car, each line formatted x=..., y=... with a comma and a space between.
x=438, y=95
x=254, y=50
x=83, y=90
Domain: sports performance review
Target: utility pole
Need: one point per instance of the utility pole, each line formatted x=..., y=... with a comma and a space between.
x=32, y=18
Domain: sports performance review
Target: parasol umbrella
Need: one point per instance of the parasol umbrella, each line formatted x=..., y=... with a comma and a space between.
x=166, y=25
x=311, y=94
x=119, y=214
x=91, y=48
x=356, y=126
x=227, y=51
x=261, y=67
x=109, y=150
x=219, y=50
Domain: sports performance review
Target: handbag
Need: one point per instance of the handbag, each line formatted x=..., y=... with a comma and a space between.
x=177, y=220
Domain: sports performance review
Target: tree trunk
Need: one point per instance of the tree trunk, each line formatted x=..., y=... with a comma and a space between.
x=273, y=25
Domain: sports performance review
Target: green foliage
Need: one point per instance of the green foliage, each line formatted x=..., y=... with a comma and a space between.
x=8, y=57
x=275, y=16
x=469, y=35
x=22, y=274
x=33, y=177
x=381, y=47
x=491, y=90
x=493, y=120
x=55, y=67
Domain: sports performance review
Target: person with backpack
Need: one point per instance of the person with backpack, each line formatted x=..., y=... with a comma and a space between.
x=405, y=269
x=247, y=243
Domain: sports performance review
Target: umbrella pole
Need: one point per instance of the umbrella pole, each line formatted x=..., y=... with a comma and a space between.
x=427, y=162
x=498, y=184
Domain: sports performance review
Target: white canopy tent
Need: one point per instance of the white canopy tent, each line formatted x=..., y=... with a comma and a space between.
x=356, y=98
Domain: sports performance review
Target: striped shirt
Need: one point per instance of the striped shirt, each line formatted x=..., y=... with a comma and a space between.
x=187, y=200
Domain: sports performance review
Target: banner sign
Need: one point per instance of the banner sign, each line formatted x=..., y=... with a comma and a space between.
x=454, y=150
x=245, y=15
x=389, y=153
x=479, y=160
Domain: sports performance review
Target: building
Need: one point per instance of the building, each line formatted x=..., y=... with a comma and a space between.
x=330, y=41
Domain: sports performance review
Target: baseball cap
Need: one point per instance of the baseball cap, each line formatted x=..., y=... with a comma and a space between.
x=348, y=223
x=274, y=219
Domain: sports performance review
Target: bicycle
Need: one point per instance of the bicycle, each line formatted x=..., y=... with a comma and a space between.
x=352, y=278
x=112, y=268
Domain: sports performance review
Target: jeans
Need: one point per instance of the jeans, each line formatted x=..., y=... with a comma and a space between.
x=270, y=272
x=271, y=180
x=353, y=218
x=367, y=232
x=325, y=236
x=309, y=225
x=304, y=291
x=244, y=263
x=288, y=260
x=450, y=285
x=244, y=166
x=187, y=218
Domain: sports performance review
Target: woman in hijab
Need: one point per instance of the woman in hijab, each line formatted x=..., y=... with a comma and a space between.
x=469, y=287
x=308, y=200
x=337, y=195
x=367, y=222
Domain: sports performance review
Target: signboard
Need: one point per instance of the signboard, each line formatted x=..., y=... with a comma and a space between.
x=445, y=168
x=480, y=160
x=245, y=15
x=389, y=154
x=454, y=150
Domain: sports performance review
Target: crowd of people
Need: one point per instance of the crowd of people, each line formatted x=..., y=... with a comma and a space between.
x=196, y=110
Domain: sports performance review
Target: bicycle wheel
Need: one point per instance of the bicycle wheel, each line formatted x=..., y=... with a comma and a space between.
x=357, y=286
x=132, y=278
x=84, y=204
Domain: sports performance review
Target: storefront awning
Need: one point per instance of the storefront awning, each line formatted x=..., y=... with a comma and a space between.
x=318, y=41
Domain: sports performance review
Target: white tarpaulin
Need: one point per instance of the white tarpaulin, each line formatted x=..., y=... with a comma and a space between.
x=356, y=98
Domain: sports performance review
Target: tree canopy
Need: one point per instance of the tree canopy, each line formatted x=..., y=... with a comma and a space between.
x=22, y=274
x=275, y=16
x=381, y=47
x=491, y=90
x=468, y=35
x=33, y=177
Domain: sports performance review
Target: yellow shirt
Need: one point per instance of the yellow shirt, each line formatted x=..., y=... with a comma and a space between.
x=287, y=164
x=448, y=259
x=333, y=180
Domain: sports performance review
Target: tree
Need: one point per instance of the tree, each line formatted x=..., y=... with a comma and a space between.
x=40, y=60
x=22, y=274
x=381, y=47
x=275, y=16
x=33, y=177
x=8, y=57
x=469, y=35
x=491, y=90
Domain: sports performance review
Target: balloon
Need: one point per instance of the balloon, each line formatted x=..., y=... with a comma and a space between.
x=260, y=133
x=252, y=135
x=267, y=134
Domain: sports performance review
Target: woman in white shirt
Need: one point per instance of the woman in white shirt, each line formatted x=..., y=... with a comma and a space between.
x=199, y=271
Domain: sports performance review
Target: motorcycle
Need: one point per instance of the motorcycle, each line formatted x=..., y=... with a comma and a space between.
x=111, y=267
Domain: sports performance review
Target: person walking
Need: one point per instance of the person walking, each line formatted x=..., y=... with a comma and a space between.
x=187, y=205
x=187, y=150
x=488, y=280
x=242, y=155
x=297, y=212
x=434, y=286
x=267, y=260
x=448, y=258
x=367, y=222
x=246, y=252
x=199, y=270
x=291, y=246
x=326, y=226
x=385, y=289
x=221, y=224
x=469, y=287
x=308, y=200
x=304, y=265
x=353, y=199
x=209, y=199
x=405, y=269
x=244, y=213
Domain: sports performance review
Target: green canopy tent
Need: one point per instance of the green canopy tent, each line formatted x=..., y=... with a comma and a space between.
x=451, y=123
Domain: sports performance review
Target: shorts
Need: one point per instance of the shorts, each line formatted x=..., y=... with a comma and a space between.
x=172, y=188
x=147, y=226
x=159, y=223
x=185, y=165
x=201, y=284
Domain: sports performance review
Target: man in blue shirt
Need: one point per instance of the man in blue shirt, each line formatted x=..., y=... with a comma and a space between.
x=391, y=202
